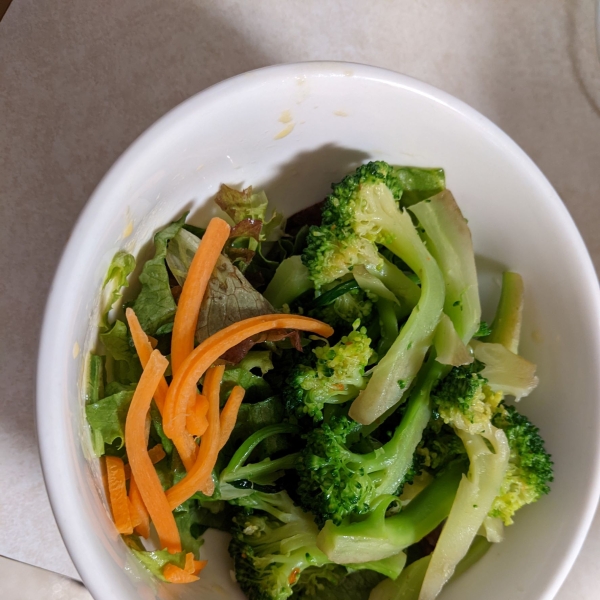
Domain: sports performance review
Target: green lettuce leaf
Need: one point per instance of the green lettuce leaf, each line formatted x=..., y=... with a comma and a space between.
x=126, y=368
x=155, y=305
x=158, y=431
x=156, y=560
x=120, y=268
x=107, y=420
x=95, y=379
x=256, y=387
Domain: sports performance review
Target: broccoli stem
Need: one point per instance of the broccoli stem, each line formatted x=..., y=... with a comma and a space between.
x=408, y=585
x=397, y=282
x=506, y=327
x=448, y=239
x=262, y=468
x=290, y=281
x=230, y=472
x=405, y=357
x=388, y=324
x=377, y=537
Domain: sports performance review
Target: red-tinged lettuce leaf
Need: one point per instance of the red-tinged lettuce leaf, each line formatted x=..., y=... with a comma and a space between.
x=244, y=204
x=237, y=353
x=246, y=228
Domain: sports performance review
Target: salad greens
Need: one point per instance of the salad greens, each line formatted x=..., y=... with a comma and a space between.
x=375, y=465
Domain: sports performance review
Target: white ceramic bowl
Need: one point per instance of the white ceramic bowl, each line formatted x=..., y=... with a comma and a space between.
x=292, y=130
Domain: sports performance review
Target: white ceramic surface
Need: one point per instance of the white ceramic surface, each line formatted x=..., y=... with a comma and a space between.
x=341, y=115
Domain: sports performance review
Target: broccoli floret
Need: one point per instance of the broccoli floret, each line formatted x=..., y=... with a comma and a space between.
x=530, y=466
x=335, y=375
x=362, y=212
x=463, y=399
x=273, y=543
x=335, y=482
x=378, y=535
x=439, y=448
x=344, y=310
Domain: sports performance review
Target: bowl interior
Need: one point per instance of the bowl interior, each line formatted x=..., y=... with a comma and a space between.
x=292, y=130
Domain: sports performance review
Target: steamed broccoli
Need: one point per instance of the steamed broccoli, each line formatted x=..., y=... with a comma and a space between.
x=272, y=545
x=463, y=400
x=274, y=542
x=335, y=375
x=336, y=482
x=362, y=212
x=529, y=468
x=377, y=535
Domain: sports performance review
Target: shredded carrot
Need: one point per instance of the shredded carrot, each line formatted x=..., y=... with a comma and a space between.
x=117, y=493
x=189, y=563
x=230, y=412
x=139, y=515
x=200, y=475
x=153, y=342
x=174, y=574
x=156, y=454
x=142, y=469
x=183, y=386
x=194, y=288
x=143, y=347
x=196, y=422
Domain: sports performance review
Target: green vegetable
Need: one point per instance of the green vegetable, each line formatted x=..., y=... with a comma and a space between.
x=376, y=537
x=506, y=326
x=155, y=305
x=529, y=468
x=126, y=368
x=95, y=379
x=121, y=266
x=361, y=212
x=334, y=375
x=107, y=420
x=290, y=281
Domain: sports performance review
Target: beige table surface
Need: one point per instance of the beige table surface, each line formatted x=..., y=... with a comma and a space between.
x=79, y=81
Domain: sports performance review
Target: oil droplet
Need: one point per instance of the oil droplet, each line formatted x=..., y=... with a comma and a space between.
x=128, y=229
x=285, y=131
x=286, y=117
x=340, y=113
x=75, y=350
x=537, y=337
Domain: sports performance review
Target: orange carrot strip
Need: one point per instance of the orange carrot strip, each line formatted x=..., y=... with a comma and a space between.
x=117, y=493
x=156, y=454
x=183, y=386
x=173, y=574
x=140, y=517
x=230, y=412
x=133, y=515
x=153, y=342
x=194, y=288
x=142, y=469
x=200, y=475
x=143, y=347
x=189, y=563
x=196, y=422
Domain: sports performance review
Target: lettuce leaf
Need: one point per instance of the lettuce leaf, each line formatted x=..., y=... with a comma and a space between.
x=155, y=305
x=121, y=266
x=126, y=368
x=156, y=560
x=107, y=420
x=95, y=379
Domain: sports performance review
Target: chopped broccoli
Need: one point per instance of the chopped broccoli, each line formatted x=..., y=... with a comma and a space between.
x=275, y=542
x=463, y=400
x=377, y=536
x=345, y=309
x=362, y=212
x=272, y=545
x=336, y=482
x=529, y=468
x=335, y=375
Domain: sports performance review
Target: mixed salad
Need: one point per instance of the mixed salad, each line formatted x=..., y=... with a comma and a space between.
x=322, y=389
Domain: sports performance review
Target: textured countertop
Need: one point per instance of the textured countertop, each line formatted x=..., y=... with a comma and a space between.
x=79, y=81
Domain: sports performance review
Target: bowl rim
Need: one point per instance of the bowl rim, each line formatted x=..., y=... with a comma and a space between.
x=60, y=480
